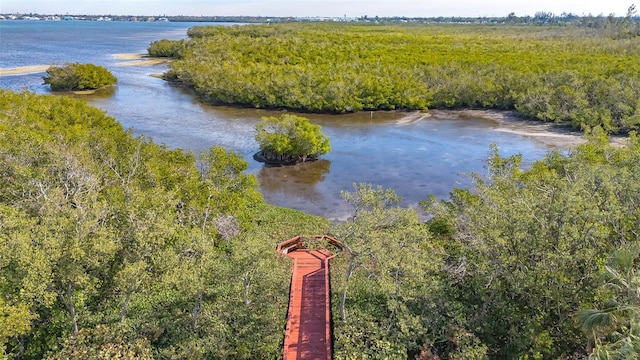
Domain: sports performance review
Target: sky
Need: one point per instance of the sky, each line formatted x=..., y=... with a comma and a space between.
x=323, y=8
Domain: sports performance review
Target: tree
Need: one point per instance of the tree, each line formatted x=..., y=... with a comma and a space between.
x=15, y=320
x=290, y=139
x=103, y=342
x=76, y=76
x=386, y=281
x=75, y=227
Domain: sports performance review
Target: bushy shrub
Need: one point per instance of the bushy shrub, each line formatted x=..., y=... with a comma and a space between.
x=291, y=136
x=76, y=76
x=167, y=48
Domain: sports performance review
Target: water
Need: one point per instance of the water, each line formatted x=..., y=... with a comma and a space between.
x=415, y=155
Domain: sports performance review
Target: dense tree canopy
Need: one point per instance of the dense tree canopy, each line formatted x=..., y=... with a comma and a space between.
x=385, y=289
x=571, y=75
x=76, y=76
x=113, y=246
x=525, y=250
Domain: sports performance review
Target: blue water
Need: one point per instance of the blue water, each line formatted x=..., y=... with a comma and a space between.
x=49, y=42
x=28, y=43
x=412, y=154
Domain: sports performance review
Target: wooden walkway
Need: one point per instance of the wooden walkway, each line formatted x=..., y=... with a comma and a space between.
x=308, y=331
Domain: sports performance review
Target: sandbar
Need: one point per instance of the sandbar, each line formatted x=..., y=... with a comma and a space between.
x=413, y=117
x=142, y=62
x=551, y=134
x=21, y=70
x=138, y=60
x=128, y=56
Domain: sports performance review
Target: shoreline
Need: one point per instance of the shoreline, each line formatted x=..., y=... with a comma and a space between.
x=138, y=60
x=127, y=60
x=23, y=70
x=508, y=121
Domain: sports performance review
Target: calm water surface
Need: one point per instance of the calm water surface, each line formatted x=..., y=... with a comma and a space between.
x=415, y=155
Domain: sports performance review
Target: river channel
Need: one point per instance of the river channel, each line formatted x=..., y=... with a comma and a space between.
x=416, y=154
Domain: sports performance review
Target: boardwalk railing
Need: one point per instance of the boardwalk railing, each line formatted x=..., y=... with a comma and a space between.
x=297, y=242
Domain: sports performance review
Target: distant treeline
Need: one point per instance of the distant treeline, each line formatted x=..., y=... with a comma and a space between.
x=572, y=75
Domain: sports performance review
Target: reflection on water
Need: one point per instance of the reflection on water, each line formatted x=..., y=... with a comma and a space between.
x=104, y=93
x=297, y=180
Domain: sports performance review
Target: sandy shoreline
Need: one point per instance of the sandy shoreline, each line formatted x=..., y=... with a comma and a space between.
x=510, y=122
x=142, y=62
x=128, y=56
x=138, y=60
x=128, y=60
x=21, y=70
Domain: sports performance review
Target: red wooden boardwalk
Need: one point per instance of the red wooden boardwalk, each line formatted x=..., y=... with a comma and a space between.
x=308, y=332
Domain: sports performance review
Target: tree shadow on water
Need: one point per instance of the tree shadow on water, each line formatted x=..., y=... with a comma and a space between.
x=297, y=180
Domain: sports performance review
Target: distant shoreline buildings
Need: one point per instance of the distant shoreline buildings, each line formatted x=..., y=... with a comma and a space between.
x=540, y=18
x=37, y=17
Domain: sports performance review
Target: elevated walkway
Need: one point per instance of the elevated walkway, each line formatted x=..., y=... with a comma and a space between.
x=308, y=331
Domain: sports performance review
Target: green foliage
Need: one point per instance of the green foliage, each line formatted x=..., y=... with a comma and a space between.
x=76, y=76
x=559, y=74
x=167, y=48
x=527, y=247
x=113, y=246
x=384, y=290
x=103, y=342
x=15, y=320
x=615, y=328
x=291, y=136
